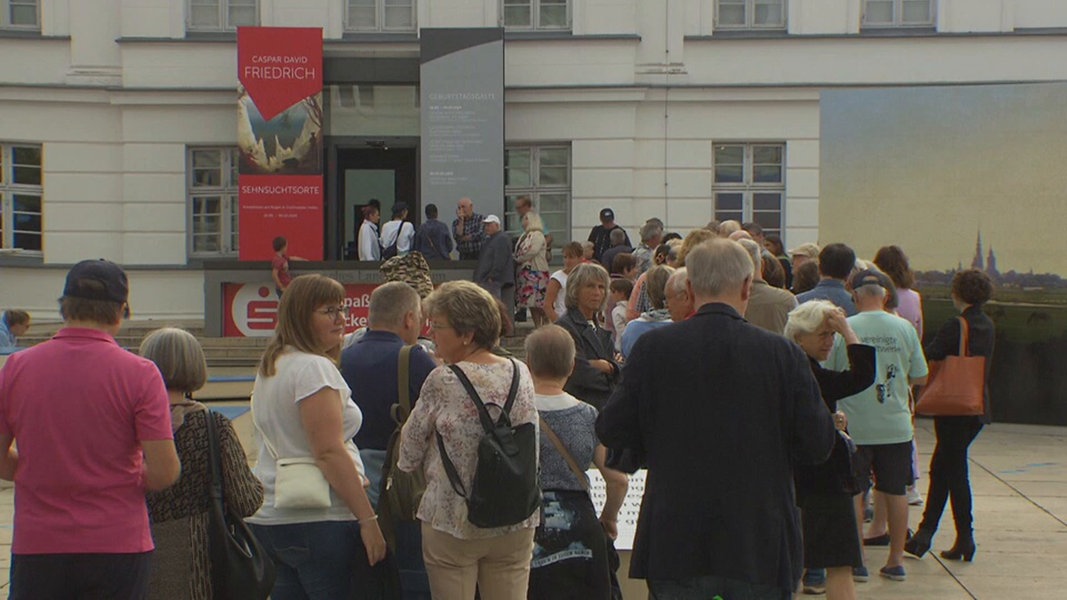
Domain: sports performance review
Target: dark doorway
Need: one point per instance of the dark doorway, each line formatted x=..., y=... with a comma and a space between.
x=382, y=172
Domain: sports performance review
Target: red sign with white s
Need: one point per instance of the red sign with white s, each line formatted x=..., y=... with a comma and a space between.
x=251, y=309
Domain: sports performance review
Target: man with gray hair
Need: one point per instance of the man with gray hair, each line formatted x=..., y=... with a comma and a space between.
x=677, y=297
x=370, y=367
x=769, y=307
x=619, y=244
x=651, y=235
x=879, y=418
x=720, y=411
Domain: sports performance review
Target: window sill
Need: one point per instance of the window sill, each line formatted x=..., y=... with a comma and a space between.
x=380, y=37
x=29, y=34
x=567, y=35
x=20, y=258
x=903, y=32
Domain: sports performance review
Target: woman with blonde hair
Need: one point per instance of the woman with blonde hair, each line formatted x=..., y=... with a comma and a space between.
x=303, y=409
x=445, y=426
x=596, y=369
x=531, y=264
x=181, y=568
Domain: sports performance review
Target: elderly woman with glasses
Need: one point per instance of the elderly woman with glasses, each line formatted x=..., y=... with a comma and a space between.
x=596, y=368
x=459, y=555
x=824, y=492
x=303, y=409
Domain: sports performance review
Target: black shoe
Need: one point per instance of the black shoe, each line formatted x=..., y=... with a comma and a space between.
x=520, y=316
x=919, y=544
x=963, y=548
x=880, y=540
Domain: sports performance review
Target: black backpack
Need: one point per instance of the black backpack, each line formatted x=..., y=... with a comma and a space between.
x=505, y=490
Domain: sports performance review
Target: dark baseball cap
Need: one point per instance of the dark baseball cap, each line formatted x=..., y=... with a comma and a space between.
x=607, y=213
x=870, y=277
x=110, y=280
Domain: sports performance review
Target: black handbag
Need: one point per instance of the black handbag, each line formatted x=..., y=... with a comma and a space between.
x=240, y=567
x=505, y=489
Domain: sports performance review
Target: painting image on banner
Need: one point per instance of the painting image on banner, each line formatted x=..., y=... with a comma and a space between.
x=279, y=136
x=963, y=177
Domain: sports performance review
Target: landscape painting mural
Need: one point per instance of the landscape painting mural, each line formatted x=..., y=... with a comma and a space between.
x=962, y=177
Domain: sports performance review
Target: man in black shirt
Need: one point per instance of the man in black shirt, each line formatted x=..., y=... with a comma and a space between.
x=601, y=234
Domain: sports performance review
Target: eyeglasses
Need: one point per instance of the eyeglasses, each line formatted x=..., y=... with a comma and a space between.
x=436, y=326
x=334, y=311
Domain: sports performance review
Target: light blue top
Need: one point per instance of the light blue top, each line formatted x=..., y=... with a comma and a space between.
x=880, y=413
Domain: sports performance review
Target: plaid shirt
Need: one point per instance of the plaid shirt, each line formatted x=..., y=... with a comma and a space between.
x=475, y=229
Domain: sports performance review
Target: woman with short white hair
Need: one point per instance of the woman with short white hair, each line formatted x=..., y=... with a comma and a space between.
x=824, y=492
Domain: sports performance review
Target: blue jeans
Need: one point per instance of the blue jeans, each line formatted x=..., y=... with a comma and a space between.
x=314, y=560
x=711, y=587
x=373, y=461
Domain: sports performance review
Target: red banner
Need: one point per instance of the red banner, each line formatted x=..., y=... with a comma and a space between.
x=279, y=135
x=251, y=309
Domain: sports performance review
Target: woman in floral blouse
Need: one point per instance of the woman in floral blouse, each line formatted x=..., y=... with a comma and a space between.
x=460, y=556
x=531, y=265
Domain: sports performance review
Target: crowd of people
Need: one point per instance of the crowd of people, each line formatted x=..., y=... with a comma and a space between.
x=771, y=409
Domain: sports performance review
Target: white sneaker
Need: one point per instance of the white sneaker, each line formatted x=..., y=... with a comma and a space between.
x=914, y=497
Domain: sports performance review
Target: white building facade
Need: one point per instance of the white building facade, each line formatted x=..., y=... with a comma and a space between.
x=118, y=119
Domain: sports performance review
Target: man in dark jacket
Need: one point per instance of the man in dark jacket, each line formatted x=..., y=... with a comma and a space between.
x=432, y=239
x=496, y=264
x=720, y=411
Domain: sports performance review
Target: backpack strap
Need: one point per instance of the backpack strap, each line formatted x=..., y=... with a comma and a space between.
x=402, y=408
x=483, y=415
x=567, y=456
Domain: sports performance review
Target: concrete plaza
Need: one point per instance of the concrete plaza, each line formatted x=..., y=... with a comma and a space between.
x=1019, y=476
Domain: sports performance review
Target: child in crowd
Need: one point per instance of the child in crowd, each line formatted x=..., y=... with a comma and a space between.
x=620, y=299
x=557, y=283
x=587, y=251
x=279, y=265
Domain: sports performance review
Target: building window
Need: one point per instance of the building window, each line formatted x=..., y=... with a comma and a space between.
x=749, y=183
x=212, y=201
x=898, y=13
x=222, y=15
x=750, y=14
x=537, y=14
x=380, y=15
x=20, y=14
x=544, y=174
x=21, y=197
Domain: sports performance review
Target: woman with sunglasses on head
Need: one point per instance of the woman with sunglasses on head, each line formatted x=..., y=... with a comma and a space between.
x=302, y=408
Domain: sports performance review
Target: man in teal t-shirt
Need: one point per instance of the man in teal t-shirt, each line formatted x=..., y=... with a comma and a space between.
x=879, y=417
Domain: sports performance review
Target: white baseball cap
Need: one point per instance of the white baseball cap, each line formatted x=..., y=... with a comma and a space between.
x=491, y=219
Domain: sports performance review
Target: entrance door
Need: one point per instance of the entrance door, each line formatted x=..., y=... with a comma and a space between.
x=383, y=173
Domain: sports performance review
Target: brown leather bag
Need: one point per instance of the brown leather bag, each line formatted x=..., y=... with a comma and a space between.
x=956, y=385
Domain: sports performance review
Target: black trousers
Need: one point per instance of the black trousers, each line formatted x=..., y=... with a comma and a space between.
x=80, y=576
x=949, y=473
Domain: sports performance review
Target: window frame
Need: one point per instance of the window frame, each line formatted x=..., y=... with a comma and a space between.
x=228, y=234
x=535, y=15
x=748, y=188
x=750, y=12
x=9, y=188
x=5, y=15
x=898, y=17
x=223, y=14
x=535, y=189
x=379, y=19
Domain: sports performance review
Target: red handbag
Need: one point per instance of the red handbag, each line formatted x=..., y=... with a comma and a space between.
x=956, y=385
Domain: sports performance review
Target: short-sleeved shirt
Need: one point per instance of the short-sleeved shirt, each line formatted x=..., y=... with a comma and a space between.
x=280, y=263
x=276, y=413
x=880, y=414
x=79, y=407
x=560, y=305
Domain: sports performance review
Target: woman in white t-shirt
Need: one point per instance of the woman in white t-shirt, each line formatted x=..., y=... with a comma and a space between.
x=557, y=283
x=302, y=408
x=399, y=231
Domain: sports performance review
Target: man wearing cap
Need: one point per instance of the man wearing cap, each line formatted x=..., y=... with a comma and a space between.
x=879, y=418
x=92, y=425
x=496, y=265
x=601, y=234
x=468, y=229
x=803, y=253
